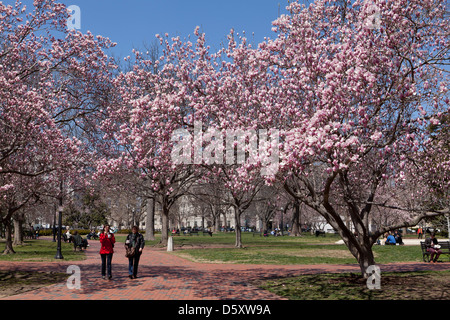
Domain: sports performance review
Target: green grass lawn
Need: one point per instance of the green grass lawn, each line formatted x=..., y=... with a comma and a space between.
x=350, y=286
x=41, y=250
x=307, y=249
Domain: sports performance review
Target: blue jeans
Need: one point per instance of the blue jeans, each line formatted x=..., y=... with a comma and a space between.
x=133, y=264
x=106, y=263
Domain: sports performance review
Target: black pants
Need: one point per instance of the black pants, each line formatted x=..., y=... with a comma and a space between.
x=106, y=264
x=133, y=264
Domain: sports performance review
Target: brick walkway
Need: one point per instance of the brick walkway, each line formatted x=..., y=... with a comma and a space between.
x=163, y=276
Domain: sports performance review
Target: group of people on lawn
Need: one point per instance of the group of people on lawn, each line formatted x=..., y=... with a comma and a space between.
x=393, y=238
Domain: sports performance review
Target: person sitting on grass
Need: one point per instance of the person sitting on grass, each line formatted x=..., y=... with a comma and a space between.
x=390, y=239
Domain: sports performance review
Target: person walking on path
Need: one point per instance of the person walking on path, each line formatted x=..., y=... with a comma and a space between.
x=134, y=240
x=107, y=241
x=419, y=233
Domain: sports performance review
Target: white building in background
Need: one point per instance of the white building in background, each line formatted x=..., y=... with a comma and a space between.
x=184, y=215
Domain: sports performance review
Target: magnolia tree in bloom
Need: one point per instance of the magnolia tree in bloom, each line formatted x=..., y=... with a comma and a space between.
x=50, y=79
x=356, y=102
x=172, y=121
x=239, y=146
x=157, y=98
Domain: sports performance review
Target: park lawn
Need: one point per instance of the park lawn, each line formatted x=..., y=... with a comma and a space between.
x=219, y=248
x=282, y=250
x=41, y=250
x=351, y=286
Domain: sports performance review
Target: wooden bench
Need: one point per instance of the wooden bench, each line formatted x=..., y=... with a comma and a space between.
x=80, y=243
x=29, y=234
x=193, y=232
x=207, y=233
x=65, y=238
x=320, y=233
x=445, y=248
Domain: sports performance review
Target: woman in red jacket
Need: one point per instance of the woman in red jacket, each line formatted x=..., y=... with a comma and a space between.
x=107, y=241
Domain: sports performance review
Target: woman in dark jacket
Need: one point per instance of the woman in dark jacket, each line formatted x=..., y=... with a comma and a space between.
x=134, y=240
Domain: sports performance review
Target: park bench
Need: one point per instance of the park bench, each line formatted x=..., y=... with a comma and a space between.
x=28, y=234
x=64, y=236
x=445, y=248
x=320, y=233
x=79, y=242
x=257, y=233
x=193, y=232
x=207, y=233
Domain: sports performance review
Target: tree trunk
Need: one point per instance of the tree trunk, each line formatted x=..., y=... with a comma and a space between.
x=218, y=223
x=237, y=217
x=18, y=230
x=361, y=249
x=225, y=221
x=216, y=219
x=150, y=220
x=365, y=259
x=164, y=224
x=296, y=229
x=8, y=233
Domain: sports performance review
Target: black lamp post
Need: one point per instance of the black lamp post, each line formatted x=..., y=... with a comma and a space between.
x=60, y=209
x=54, y=225
x=58, y=249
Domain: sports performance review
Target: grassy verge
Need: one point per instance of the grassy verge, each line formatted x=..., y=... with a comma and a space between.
x=426, y=285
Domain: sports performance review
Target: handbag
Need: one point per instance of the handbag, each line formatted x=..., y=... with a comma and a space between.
x=130, y=251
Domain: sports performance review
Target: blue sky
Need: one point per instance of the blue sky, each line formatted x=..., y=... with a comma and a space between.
x=133, y=22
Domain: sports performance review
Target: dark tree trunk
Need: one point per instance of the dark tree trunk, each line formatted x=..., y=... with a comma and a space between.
x=365, y=259
x=18, y=230
x=296, y=229
x=165, y=225
x=361, y=248
x=8, y=233
x=150, y=220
